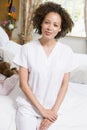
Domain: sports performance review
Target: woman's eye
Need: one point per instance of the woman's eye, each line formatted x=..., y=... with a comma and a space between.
x=56, y=25
x=46, y=22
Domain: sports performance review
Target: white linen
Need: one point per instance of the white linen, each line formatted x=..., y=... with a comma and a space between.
x=12, y=47
x=7, y=114
x=8, y=52
x=73, y=111
x=8, y=110
x=8, y=48
x=79, y=75
x=3, y=37
x=8, y=84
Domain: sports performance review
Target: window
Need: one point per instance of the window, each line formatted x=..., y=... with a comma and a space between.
x=76, y=11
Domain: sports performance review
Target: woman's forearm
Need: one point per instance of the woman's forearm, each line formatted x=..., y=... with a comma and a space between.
x=62, y=93
x=30, y=95
x=24, y=78
x=59, y=99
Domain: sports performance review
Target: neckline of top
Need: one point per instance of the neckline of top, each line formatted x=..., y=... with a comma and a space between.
x=52, y=52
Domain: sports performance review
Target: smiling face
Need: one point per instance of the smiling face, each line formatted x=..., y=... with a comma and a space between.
x=51, y=25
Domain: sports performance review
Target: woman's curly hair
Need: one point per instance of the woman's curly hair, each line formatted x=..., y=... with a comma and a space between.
x=44, y=9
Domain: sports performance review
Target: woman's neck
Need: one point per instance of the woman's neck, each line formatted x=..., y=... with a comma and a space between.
x=45, y=42
x=48, y=46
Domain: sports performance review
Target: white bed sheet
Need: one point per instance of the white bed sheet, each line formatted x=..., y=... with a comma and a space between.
x=7, y=114
x=72, y=113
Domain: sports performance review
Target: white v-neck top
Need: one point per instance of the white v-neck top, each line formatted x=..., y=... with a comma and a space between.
x=46, y=73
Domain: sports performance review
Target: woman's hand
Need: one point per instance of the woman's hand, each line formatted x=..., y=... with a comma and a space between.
x=45, y=124
x=49, y=114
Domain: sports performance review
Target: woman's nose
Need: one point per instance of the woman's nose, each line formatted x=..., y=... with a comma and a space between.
x=50, y=27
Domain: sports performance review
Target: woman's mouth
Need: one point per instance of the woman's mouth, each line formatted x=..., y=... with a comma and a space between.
x=48, y=33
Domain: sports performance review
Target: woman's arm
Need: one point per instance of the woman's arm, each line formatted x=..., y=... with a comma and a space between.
x=24, y=76
x=62, y=92
x=46, y=122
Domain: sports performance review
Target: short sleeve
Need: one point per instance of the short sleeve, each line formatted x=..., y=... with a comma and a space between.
x=21, y=58
x=72, y=61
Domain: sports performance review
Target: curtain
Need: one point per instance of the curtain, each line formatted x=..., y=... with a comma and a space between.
x=85, y=17
x=27, y=7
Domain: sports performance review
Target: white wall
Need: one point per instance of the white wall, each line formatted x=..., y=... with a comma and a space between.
x=78, y=44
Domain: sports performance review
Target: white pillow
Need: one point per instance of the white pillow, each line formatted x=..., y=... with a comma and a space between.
x=3, y=37
x=9, y=51
x=12, y=47
x=8, y=57
x=79, y=75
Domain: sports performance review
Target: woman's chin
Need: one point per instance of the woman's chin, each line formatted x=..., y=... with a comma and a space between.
x=47, y=37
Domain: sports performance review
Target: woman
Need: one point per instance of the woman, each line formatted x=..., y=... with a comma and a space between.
x=45, y=66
